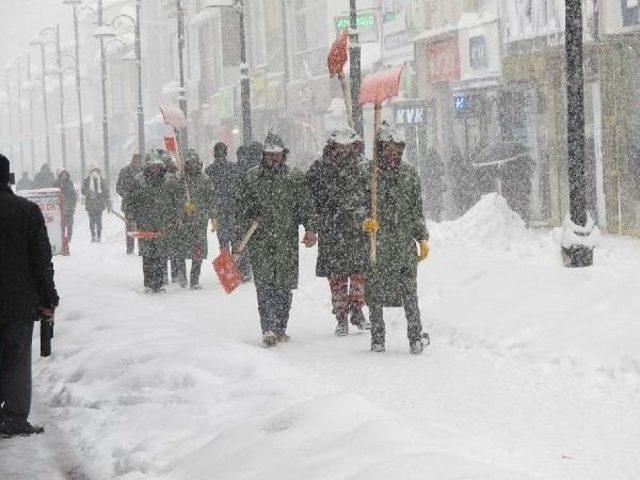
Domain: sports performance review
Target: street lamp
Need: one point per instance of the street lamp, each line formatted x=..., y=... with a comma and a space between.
x=40, y=43
x=83, y=154
x=105, y=32
x=245, y=86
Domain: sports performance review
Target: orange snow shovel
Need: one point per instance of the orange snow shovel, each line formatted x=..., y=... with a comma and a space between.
x=140, y=235
x=376, y=88
x=338, y=56
x=225, y=264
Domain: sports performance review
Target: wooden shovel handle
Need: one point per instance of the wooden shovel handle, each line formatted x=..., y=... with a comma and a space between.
x=245, y=240
x=373, y=253
x=346, y=95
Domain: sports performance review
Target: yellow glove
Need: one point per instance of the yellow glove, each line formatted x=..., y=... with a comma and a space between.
x=189, y=208
x=370, y=225
x=424, y=250
x=214, y=225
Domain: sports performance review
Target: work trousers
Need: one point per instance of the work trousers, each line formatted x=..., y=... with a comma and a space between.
x=412, y=313
x=15, y=367
x=274, y=306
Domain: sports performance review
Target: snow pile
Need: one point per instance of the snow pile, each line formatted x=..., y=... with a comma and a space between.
x=490, y=225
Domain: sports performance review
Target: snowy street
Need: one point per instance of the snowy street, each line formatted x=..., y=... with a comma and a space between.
x=533, y=371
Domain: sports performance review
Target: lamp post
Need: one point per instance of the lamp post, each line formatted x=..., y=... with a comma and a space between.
x=45, y=107
x=183, y=138
x=245, y=85
x=355, y=68
x=10, y=110
x=20, y=122
x=32, y=141
x=83, y=153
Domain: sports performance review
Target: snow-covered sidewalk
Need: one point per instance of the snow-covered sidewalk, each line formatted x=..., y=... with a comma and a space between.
x=533, y=372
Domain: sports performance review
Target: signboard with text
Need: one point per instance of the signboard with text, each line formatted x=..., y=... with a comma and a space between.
x=367, y=24
x=50, y=202
x=411, y=113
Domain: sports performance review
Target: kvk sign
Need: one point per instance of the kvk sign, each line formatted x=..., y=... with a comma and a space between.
x=410, y=113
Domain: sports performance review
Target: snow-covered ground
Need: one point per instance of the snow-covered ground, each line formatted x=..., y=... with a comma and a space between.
x=533, y=372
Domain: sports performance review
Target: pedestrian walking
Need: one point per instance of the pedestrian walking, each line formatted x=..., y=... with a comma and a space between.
x=194, y=220
x=276, y=198
x=124, y=186
x=154, y=205
x=25, y=183
x=44, y=178
x=224, y=177
x=338, y=187
x=28, y=291
x=96, y=200
x=434, y=185
x=69, y=201
x=392, y=280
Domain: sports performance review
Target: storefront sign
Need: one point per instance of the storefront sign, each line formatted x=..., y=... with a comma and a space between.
x=366, y=22
x=50, y=202
x=410, y=113
x=224, y=103
x=443, y=61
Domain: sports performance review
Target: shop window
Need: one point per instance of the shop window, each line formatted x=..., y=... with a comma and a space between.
x=630, y=14
x=478, y=52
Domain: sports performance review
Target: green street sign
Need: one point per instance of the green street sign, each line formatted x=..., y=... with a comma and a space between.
x=367, y=24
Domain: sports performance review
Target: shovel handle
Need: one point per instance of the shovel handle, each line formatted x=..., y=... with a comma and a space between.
x=347, y=98
x=245, y=240
x=373, y=252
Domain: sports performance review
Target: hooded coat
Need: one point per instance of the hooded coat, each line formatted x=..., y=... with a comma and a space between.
x=402, y=224
x=192, y=232
x=155, y=206
x=280, y=201
x=69, y=194
x=94, y=189
x=341, y=202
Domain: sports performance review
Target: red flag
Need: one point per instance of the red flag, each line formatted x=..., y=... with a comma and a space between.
x=338, y=54
x=380, y=86
x=170, y=144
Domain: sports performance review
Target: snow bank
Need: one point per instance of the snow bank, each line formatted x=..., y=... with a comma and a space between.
x=491, y=225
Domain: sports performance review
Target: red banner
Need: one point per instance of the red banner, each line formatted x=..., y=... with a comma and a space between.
x=443, y=61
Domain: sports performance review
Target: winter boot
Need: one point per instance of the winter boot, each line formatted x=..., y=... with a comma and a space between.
x=416, y=347
x=359, y=320
x=342, y=329
x=283, y=337
x=377, y=345
x=17, y=427
x=196, y=286
x=269, y=339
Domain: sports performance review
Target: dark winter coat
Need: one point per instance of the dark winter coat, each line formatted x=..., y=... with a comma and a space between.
x=69, y=196
x=434, y=186
x=341, y=203
x=44, y=179
x=224, y=178
x=26, y=271
x=402, y=224
x=192, y=232
x=95, y=201
x=280, y=202
x=155, y=207
x=24, y=183
x=125, y=183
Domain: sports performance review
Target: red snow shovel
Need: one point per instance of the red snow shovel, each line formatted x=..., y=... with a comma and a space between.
x=338, y=56
x=225, y=264
x=376, y=88
x=145, y=235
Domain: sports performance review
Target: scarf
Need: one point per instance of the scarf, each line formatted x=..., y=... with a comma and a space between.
x=95, y=184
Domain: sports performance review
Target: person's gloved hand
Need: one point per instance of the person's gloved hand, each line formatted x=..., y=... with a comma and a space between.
x=370, y=225
x=189, y=208
x=424, y=250
x=214, y=225
x=310, y=239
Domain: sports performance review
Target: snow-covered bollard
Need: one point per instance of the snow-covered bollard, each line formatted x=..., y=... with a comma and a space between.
x=578, y=242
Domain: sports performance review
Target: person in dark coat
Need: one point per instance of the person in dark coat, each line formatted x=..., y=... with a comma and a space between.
x=124, y=185
x=69, y=201
x=96, y=200
x=400, y=225
x=338, y=187
x=198, y=210
x=44, y=178
x=24, y=183
x=433, y=181
x=224, y=177
x=464, y=181
x=155, y=205
x=277, y=199
x=27, y=291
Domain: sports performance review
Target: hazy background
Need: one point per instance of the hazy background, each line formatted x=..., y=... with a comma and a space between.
x=22, y=20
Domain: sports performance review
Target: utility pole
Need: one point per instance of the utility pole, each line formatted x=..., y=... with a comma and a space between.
x=20, y=122
x=285, y=54
x=83, y=153
x=138, y=34
x=578, y=253
x=356, y=73
x=10, y=110
x=45, y=103
x=183, y=138
x=245, y=85
x=63, y=132
x=31, y=123
x=105, y=118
